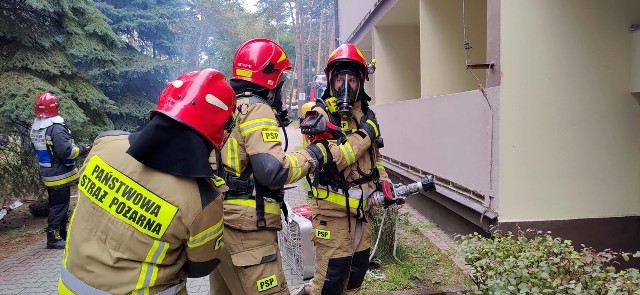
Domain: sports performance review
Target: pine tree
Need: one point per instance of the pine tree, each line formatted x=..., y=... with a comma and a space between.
x=153, y=33
x=49, y=46
x=52, y=46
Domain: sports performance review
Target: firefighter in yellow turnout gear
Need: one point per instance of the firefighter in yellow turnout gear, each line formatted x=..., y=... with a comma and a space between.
x=256, y=168
x=149, y=214
x=342, y=189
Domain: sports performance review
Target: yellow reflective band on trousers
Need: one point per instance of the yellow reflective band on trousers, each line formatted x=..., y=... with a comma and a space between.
x=347, y=152
x=336, y=198
x=295, y=169
x=379, y=164
x=149, y=268
x=206, y=235
x=271, y=208
x=233, y=159
x=61, y=179
x=258, y=124
x=125, y=199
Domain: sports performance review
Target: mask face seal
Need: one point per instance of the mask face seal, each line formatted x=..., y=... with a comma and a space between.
x=282, y=115
x=228, y=127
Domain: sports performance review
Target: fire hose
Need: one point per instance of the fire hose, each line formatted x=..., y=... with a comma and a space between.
x=399, y=193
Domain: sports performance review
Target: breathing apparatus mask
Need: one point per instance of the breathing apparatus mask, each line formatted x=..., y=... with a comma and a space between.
x=276, y=100
x=345, y=86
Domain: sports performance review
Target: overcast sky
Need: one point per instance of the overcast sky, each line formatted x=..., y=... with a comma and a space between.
x=250, y=5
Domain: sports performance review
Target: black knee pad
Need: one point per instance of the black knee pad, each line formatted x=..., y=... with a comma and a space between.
x=359, y=267
x=337, y=272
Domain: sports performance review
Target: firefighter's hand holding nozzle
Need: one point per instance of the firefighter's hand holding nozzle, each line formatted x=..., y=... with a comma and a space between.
x=389, y=194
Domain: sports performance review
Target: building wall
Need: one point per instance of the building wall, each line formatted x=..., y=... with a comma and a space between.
x=397, y=52
x=569, y=127
x=449, y=136
x=442, y=55
x=351, y=13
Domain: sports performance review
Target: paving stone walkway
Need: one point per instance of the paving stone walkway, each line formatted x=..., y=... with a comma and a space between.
x=35, y=270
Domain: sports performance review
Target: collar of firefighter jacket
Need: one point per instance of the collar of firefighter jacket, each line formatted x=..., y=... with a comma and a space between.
x=39, y=123
x=171, y=147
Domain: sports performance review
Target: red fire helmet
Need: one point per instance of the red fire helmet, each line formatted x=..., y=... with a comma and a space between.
x=347, y=53
x=46, y=105
x=260, y=61
x=202, y=100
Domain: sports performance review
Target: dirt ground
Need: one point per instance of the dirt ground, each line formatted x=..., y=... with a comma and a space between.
x=19, y=229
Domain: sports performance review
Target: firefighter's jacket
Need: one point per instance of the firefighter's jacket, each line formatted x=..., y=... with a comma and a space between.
x=137, y=230
x=358, y=167
x=256, y=141
x=56, y=151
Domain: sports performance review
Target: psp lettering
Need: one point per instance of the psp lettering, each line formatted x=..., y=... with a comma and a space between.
x=268, y=136
x=267, y=283
x=323, y=234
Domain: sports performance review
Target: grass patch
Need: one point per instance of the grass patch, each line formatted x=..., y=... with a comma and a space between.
x=416, y=227
x=421, y=264
x=16, y=233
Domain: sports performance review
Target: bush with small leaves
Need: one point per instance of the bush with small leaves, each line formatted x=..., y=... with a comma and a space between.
x=537, y=263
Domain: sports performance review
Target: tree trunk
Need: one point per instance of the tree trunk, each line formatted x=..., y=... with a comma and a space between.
x=384, y=250
x=320, y=30
x=196, y=56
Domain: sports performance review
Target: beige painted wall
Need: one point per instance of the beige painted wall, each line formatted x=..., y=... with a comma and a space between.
x=351, y=13
x=569, y=128
x=397, y=52
x=442, y=53
x=635, y=61
x=448, y=135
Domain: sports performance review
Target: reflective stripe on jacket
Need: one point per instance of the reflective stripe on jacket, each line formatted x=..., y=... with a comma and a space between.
x=56, y=154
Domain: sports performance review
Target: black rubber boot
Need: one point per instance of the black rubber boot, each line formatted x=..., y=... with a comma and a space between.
x=63, y=229
x=54, y=241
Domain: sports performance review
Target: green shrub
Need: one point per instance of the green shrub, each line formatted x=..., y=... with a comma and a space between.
x=540, y=264
x=19, y=170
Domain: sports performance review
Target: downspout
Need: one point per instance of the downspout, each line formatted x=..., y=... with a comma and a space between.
x=337, y=24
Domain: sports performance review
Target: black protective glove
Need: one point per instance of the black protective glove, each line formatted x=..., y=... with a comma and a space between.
x=320, y=152
x=369, y=124
x=318, y=128
x=84, y=148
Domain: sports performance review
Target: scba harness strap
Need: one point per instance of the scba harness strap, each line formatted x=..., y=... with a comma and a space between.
x=330, y=177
